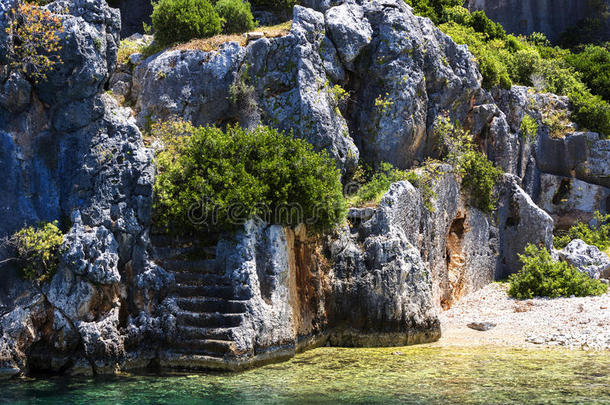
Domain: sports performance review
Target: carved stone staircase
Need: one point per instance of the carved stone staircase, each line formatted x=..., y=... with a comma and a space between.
x=210, y=308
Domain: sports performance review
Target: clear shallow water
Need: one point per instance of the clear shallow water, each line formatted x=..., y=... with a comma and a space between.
x=422, y=375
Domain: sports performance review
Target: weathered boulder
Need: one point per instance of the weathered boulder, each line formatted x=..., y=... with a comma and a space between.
x=88, y=53
x=587, y=259
x=520, y=222
x=570, y=200
x=349, y=29
x=190, y=85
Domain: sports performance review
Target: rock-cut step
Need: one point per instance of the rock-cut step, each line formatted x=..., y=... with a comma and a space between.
x=199, y=333
x=191, y=266
x=201, y=279
x=226, y=292
x=210, y=347
x=209, y=304
x=208, y=320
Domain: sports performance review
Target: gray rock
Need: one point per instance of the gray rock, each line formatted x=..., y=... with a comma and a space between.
x=88, y=53
x=587, y=259
x=521, y=222
x=92, y=253
x=481, y=326
x=190, y=85
x=570, y=200
x=349, y=30
x=81, y=153
x=15, y=93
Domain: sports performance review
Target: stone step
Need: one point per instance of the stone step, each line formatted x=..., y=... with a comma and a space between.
x=195, y=332
x=226, y=292
x=199, y=279
x=191, y=266
x=209, y=347
x=211, y=305
x=208, y=320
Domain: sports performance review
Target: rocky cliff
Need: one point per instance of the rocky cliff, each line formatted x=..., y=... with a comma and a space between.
x=551, y=17
x=124, y=299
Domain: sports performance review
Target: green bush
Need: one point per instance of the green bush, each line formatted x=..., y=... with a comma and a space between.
x=236, y=16
x=214, y=180
x=182, y=20
x=523, y=64
x=38, y=250
x=374, y=184
x=481, y=23
x=591, y=112
x=479, y=175
x=597, y=234
x=541, y=276
x=594, y=65
x=529, y=128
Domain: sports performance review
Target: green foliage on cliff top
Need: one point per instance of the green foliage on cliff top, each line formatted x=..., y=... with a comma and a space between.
x=593, y=63
x=596, y=234
x=182, y=20
x=235, y=15
x=37, y=249
x=214, y=180
x=507, y=60
x=541, y=276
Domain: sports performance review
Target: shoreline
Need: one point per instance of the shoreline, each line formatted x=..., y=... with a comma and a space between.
x=578, y=323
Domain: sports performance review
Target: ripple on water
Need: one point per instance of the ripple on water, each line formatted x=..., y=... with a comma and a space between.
x=410, y=375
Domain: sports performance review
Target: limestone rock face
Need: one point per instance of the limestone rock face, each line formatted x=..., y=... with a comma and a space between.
x=570, y=200
x=70, y=153
x=587, y=259
x=399, y=70
x=521, y=222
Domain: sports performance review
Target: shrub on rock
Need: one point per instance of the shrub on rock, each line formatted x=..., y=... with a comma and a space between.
x=541, y=276
x=37, y=250
x=214, y=180
x=597, y=233
x=182, y=20
x=236, y=16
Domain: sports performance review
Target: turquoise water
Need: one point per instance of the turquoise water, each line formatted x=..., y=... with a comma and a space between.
x=410, y=375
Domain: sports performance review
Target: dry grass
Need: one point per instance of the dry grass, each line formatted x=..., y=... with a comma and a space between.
x=214, y=43
x=607, y=251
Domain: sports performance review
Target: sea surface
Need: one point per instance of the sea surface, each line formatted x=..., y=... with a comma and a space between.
x=405, y=375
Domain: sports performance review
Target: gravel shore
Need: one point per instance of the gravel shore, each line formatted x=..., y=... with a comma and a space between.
x=575, y=323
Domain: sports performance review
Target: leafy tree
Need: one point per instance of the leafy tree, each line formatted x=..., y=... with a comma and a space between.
x=182, y=20
x=36, y=40
x=541, y=276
